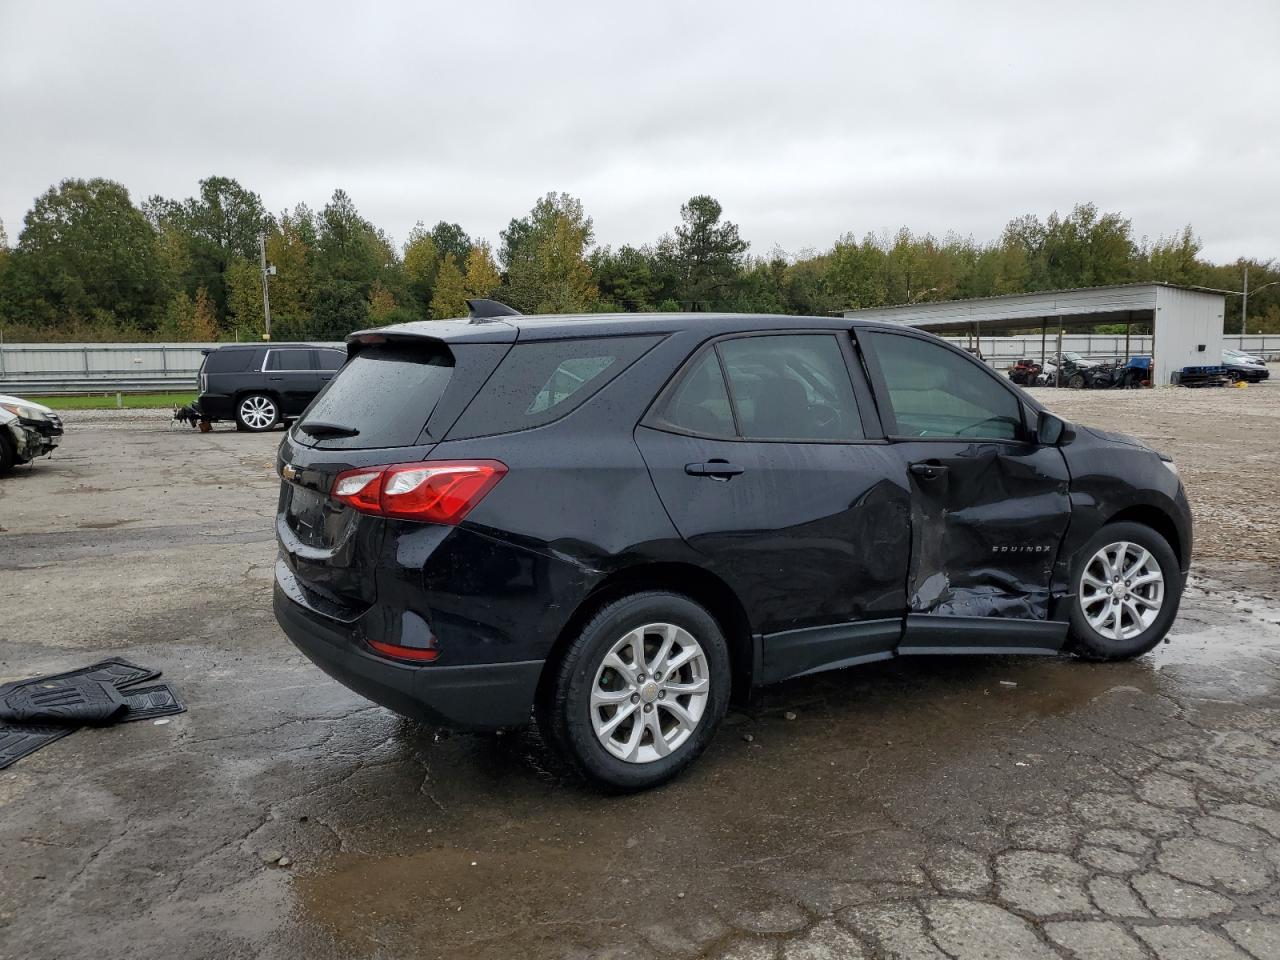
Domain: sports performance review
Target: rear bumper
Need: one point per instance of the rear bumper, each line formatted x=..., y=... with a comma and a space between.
x=468, y=697
x=215, y=406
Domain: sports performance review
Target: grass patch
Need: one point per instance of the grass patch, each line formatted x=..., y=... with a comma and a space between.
x=108, y=402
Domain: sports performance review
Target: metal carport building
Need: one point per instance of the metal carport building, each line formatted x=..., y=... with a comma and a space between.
x=1186, y=324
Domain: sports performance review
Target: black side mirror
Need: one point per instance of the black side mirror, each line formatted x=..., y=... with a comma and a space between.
x=1053, y=431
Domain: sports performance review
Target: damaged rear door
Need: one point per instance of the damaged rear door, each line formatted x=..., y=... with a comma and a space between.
x=989, y=505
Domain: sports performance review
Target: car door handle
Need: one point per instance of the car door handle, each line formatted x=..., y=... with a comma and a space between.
x=715, y=469
x=928, y=470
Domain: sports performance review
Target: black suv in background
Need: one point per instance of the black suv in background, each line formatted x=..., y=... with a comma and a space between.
x=618, y=522
x=260, y=384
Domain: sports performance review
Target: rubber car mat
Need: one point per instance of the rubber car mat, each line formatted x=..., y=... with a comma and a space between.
x=150, y=700
x=116, y=670
x=73, y=701
x=18, y=741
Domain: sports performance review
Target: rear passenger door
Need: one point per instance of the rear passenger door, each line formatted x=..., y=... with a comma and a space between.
x=292, y=377
x=767, y=455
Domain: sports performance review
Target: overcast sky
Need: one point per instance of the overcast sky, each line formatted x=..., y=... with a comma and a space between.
x=805, y=120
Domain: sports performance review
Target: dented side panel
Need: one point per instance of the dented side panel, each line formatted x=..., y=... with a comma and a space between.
x=986, y=528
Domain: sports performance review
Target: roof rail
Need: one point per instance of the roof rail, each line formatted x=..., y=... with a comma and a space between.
x=490, y=310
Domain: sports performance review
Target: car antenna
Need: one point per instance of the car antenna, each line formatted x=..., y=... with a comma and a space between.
x=490, y=310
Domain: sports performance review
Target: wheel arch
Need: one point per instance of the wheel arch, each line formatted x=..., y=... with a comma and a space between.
x=1159, y=521
x=685, y=579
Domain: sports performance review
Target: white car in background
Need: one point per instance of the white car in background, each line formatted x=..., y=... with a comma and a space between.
x=27, y=430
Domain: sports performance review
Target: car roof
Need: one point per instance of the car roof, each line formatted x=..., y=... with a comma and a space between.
x=566, y=326
x=272, y=345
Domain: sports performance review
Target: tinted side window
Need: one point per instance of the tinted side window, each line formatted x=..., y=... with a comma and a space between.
x=288, y=360
x=934, y=392
x=330, y=359
x=542, y=381
x=699, y=400
x=228, y=361
x=793, y=387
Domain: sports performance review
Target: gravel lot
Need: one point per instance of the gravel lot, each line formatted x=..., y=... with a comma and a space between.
x=963, y=808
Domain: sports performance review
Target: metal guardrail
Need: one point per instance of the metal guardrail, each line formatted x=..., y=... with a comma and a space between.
x=49, y=387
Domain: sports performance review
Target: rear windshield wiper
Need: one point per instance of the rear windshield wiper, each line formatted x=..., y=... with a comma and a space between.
x=319, y=428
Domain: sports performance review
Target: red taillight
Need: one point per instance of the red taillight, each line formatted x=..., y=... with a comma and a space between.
x=430, y=492
x=419, y=654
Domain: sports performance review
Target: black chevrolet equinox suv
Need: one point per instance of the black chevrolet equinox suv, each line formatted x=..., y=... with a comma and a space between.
x=616, y=524
x=259, y=385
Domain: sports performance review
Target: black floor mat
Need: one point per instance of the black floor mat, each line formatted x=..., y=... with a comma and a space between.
x=43, y=709
x=150, y=700
x=74, y=700
x=17, y=740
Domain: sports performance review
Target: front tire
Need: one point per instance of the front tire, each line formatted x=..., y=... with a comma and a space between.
x=639, y=692
x=257, y=412
x=1076, y=382
x=1127, y=590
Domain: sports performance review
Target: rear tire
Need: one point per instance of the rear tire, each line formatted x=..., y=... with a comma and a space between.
x=1127, y=589
x=257, y=412
x=629, y=722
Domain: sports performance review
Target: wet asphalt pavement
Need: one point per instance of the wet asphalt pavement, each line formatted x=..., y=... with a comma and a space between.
x=932, y=808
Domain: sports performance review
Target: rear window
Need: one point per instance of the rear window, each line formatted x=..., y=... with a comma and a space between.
x=537, y=383
x=228, y=361
x=386, y=394
x=330, y=359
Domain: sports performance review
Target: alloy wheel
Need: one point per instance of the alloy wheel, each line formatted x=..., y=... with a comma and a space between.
x=257, y=413
x=650, y=693
x=1121, y=590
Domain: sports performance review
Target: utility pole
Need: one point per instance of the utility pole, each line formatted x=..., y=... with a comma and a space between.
x=266, y=272
x=1244, y=305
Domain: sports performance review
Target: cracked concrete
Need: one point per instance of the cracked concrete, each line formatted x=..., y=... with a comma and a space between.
x=912, y=810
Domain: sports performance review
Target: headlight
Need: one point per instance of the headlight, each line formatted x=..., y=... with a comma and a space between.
x=24, y=412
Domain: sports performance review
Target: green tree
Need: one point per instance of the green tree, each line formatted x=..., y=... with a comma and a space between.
x=708, y=254
x=481, y=275
x=421, y=261
x=220, y=224
x=450, y=297
x=351, y=255
x=545, y=254
x=291, y=248
x=85, y=252
x=451, y=238
x=1173, y=259
x=625, y=277
x=243, y=279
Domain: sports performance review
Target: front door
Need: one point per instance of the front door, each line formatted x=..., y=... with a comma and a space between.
x=989, y=506
x=771, y=468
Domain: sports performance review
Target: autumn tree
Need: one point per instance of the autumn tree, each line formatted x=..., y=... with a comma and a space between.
x=450, y=297
x=481, y=275
x=545, y=254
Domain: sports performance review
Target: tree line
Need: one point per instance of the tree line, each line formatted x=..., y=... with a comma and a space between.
x=89, y=264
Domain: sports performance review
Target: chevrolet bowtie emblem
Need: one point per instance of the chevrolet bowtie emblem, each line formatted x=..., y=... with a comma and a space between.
x=289, y=471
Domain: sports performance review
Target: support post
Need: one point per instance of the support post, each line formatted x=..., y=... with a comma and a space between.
x=1057, y=377
x=266, y=296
